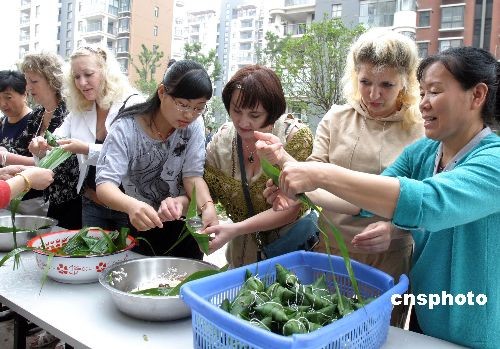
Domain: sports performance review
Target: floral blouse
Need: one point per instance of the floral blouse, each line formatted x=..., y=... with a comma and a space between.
x=65, y=175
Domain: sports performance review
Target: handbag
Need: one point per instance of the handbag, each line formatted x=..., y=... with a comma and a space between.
x=303, y=234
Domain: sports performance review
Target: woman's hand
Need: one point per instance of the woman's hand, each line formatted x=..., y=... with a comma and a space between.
x=223, y=233
x=40, y=178
x=275, y=197
x=9, y=171
x=39, y=147
x=269, y=147
x=209, y=215
x=172, y=209
x=375, y=238
x=299, y=177
x=143, y=217
x=74, y=146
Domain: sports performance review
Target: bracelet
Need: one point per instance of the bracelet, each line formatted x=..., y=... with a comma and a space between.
x=27, y=182
x=205, y=204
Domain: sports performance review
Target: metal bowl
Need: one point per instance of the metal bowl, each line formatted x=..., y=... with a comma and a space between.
x=28, y=227
x=124, y=277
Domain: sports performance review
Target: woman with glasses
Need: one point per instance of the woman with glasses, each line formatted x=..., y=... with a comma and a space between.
x=156, y=150
x=96, y=91
x=255, y=101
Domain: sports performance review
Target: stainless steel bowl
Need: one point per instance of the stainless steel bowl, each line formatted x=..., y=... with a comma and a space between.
x=27, y=226
x=127, y=276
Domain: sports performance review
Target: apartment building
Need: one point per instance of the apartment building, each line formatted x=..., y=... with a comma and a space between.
x=124, y=25
x=451, y=23
x=38, y=25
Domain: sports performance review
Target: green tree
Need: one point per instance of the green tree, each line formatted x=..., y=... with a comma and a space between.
x=311, y=66
x=149, y=61
x=209, y=61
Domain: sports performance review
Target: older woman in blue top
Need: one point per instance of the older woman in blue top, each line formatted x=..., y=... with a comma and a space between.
x=445, y=188
x=156, y=150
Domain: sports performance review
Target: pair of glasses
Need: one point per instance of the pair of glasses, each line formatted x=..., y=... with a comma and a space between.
x=186, y=108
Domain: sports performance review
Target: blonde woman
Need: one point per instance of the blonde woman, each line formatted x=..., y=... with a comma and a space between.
x=366, y=134
x=96, y=91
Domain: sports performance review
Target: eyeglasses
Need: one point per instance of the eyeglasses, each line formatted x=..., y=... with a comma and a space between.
x=186, y=108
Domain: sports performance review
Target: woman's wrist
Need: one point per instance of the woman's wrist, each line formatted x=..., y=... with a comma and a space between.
x=27, y=182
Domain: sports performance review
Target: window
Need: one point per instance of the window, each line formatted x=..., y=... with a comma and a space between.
x=37, y=45
x=423, y=49
x=452, y=17
x=70, y=6
x=123, y=25
x=80, y=26
x=123, y=65
x=37, y=29
x=37, y=11
x=122, y=45
x=245, y=46
x=424, y=19
x=406, y=5
x=445, y=44
x=156, y=11
x=155, y=30
x=336, y=10
x=377, y=13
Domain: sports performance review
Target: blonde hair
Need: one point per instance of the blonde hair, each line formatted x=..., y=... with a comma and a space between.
x=114, y=84
x=47, y=64
x=388, y=49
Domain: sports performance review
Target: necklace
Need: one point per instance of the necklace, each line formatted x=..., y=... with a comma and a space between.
x=158, y=130
x=50, y=111
x=250, y=157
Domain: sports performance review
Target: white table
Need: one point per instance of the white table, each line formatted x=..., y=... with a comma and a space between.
x=84, y=316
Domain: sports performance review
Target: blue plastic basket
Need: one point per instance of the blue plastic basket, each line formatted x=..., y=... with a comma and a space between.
x=364, y=328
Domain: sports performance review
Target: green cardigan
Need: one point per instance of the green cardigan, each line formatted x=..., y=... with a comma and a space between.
x=454, y=218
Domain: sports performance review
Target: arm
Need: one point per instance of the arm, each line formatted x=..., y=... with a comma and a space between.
x=263, y=221
x=111, y=169
x=33, y=177
x=377, y=194
x=15, y=159
x=142, y=216
x=203, y=199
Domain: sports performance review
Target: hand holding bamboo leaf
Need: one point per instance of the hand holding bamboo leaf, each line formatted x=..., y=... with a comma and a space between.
x=274, y=174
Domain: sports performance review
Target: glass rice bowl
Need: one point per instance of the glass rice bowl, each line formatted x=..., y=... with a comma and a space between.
x=27, y=227
x=144, y=273
x=75, y=269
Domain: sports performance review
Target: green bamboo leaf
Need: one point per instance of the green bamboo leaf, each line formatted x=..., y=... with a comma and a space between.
x=273, y=173
x=192, y=212
x=194, y=276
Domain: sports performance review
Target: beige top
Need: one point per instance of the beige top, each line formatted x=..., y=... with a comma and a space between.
x=347, y=136
x=222, y=174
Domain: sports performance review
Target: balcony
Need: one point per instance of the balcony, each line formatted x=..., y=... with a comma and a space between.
x=290, y=3
x=24, y=22
x=294, y=29
x=99, y=10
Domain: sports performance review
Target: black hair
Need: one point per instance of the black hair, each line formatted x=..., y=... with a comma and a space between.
x=257, y=85
x=183, y=79
x=12, y=79
x=471, y=66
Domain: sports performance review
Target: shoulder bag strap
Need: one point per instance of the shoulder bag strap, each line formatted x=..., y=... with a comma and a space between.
x=246, y=193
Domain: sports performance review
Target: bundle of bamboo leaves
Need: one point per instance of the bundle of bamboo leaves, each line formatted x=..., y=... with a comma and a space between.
x=286, y=306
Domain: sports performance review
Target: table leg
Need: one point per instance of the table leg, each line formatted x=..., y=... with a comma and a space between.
x=20, y=330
